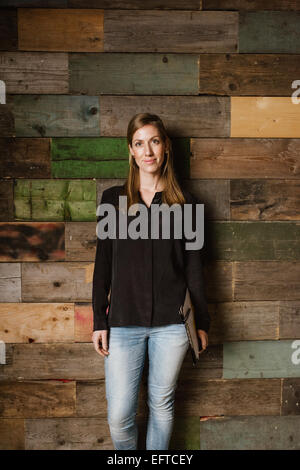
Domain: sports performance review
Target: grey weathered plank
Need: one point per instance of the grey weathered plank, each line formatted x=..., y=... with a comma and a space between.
x=214, y=194
x=55, y=115
x=135, y=74
x=250, y=5
x=289, y=319
x=264, y=359
x=80, y=240
x=183, y=116
x=250, y=433
x=173, y=31
x=10, y=282
x=34, y=72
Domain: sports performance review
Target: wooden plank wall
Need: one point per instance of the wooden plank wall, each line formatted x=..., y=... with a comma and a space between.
x=221, y=75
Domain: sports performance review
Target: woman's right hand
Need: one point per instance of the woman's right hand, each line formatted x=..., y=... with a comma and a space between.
x=100, y=340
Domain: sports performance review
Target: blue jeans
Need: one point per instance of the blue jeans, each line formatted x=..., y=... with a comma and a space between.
x=167, y=347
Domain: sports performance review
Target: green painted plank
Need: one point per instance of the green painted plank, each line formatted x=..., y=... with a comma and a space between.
x=269, y=31
x=55, y=200
x=250, y=433
x=264, y=359
x=135, y=74
x=186, y=433
x=89, y=148
x=76, y=169
x=243, y=241
x=55, y=115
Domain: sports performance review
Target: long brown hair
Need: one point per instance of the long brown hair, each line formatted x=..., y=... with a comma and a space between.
x=172, y=192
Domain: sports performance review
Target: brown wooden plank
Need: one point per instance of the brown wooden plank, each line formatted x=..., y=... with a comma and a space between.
x=67, y=434
x=7, y=123
x=136, y=4
x=228, y=397
x=10, y=282
x=210, y=365
x=6, y=200
x=32, y=241
x=80, y=241
x=8, y=30
x=218, y=281
x=34, y=72
x=12, y=434
x=83, y=322
x=264, y=200
x=57, y=282
x=214, y=194
x=291, y=396
x=266, y=280
x=245, y=158
x=251, y=5
x=37, y=399
x=36, y=322
x=55, y=29
x=34, y=3
x=248, y=74
x=172, y=31
x=183, y=116
x=25, y=158
x=289, y=319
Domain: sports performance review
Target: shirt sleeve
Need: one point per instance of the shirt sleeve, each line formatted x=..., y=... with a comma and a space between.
x=101, y=278
x=195, y=280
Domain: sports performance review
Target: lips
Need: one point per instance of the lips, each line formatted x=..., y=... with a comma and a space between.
x=150, y=161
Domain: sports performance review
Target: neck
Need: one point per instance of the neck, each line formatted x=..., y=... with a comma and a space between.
x=151, y=182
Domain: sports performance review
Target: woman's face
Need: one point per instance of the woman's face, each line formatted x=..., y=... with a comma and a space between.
x=148, y=149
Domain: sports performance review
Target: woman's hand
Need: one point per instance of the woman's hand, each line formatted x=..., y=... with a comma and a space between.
x=204, y=339
x=99, y=339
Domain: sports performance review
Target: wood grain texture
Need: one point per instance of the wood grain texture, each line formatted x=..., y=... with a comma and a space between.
x=25, y=158
x=291, y=397
x=34, y=72
x=264, y=199
x=80, y=239
x=57, y=282
x=68, y=361
x=8, y=30
x=54, y=30
x=289, y=319
x=10, y=282
x=55, y=115
x=264, y=117
x=269, y=31
x=33, y=241
x=133, y=74
x=36, y=322
x=12, y=434
x=248, y=74
x=228, y=397
x=254, y=433
x=55, y=200
x=83, y=322
x=37, y=399
x=6, y=200
x=245, y=158
x=218, y=281
x=261, y=359
x=183, y=116
x=34, y=3
x=7, y=122
x=214, y=194
x=173, y=31
x=136, y=4
x=250, y=5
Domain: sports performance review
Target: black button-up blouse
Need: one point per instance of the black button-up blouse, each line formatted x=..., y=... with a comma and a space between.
x=147, y=277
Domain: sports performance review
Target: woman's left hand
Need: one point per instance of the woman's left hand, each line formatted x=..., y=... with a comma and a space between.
x=204, y=339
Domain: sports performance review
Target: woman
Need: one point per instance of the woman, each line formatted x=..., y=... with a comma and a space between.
x=148, y=278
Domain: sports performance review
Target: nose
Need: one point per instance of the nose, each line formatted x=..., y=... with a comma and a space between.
x=148, y=149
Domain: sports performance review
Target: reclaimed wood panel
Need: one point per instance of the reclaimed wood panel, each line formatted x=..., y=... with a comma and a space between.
x=10, y=282
x=55, y=115
x=57, y=282
x=34, y=3
x=245, y=158
x=80, y=240
x=8, y=30
x=36, y=322
x=133, y=74
x=136, y=4
x=66, y=361
x=261, y=359
x=25, y=158
x=33, y=241
x=51, y=200
x=289, y=319
x=240, y=241
x=7, y=122
x=12, y=434
x=291, y=397
x=55, y=29
x=183, y=116
x=248, y=74
x=6, y=199
x=218, y=279
x=266, y=280
x=67, y=434
x=250, y=5
x=210, y=366
x=269, y=31
x=185, y=434
x=172, y=31
x=214, y=194
x=83, y=322
x=264, y=117
x=229, y=397
x=34, y=72
x=37, y=399
x=264, y=200
x=250, y=433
